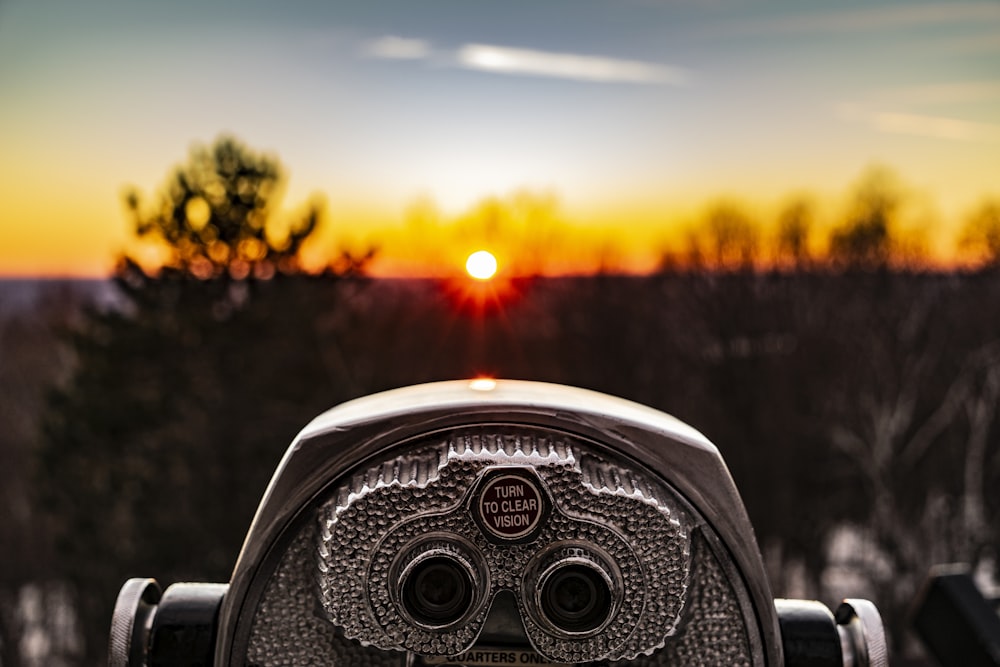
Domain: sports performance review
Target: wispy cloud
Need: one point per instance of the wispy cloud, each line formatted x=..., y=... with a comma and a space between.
x=527, y=62
x=573, y=66
x=935, y=127
x=922, y=125
x=391, y=47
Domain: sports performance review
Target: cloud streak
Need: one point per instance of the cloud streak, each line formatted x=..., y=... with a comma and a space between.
x=935, y=127
x=922, y=125
x=391, y=47
x=497, y=59
x=573, y=66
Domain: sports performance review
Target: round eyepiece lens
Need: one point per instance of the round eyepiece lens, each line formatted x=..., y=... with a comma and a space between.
x=438, y=591
x=576, y=598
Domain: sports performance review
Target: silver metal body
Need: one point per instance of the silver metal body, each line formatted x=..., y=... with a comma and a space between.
x=627, y=482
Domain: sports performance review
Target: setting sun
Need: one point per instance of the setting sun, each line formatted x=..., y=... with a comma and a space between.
x=481, y=265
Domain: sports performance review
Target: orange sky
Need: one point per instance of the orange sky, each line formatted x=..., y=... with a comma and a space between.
x=80, y=233
x=635, y=117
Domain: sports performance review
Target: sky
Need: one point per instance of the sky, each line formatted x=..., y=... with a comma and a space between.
x=629, y=114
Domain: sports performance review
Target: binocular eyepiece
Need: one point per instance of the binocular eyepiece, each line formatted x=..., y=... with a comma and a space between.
x=494, y=523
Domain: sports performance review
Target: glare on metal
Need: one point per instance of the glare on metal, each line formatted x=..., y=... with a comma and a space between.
x=483, y=384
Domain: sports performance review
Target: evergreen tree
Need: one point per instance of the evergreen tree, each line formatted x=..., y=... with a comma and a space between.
x=159, y=447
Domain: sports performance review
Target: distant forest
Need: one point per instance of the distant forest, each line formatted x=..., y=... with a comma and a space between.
x=879, y=222
x=853, y=393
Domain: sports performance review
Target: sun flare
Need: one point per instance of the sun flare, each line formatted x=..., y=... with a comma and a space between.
x=481, y=265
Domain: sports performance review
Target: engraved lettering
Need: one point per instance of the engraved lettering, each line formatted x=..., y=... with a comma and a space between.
x=509, y=506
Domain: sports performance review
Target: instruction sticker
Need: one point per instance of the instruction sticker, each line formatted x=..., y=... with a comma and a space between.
x=510, y=506
x=491, y=657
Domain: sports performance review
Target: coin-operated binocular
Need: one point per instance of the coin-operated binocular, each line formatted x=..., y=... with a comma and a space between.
x=494, y=523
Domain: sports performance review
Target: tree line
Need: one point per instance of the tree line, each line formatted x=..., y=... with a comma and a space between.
x=877, y=224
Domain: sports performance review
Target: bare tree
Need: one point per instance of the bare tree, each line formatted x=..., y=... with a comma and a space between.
x=980, y=236
x=728, y=239
x=912, y=414
x=865, y=240
x=794, y=235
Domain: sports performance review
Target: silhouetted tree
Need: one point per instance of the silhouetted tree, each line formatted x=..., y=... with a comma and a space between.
x=33, y=358
x=913, y=406
x=980, y=236
x=159, y=446
x=865, y=240
x=728, y=239
x=216, y=215
x=794, y=232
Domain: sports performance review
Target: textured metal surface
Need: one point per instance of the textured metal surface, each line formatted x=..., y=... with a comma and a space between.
x=348, y=437
x=360, y=540
x=130, y=621
x=862, y=629
x=290, y=627
x=714, y=629
x=333, y=593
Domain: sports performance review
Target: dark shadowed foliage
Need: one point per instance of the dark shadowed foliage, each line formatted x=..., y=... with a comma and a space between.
x=185, y=396
x=33, y=358
x=159, y=447
x=842, y=402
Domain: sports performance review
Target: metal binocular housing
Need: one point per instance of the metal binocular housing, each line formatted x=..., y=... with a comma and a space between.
x=494, y=523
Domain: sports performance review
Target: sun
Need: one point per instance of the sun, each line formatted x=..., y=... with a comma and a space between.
x=481, y=265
